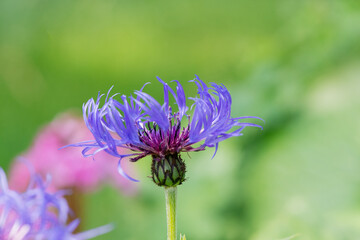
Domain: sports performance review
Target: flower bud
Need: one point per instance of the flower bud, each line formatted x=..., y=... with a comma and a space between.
x=168, y=171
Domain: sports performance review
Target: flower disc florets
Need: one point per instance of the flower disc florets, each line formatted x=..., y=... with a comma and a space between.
x=148, y=128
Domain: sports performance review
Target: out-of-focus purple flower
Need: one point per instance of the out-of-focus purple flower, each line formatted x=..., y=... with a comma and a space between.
x=66, y=166
x=38, y=214
x=146, y=127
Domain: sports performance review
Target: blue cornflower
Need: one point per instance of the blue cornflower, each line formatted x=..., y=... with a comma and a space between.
x=146, y=127
x=38, y=214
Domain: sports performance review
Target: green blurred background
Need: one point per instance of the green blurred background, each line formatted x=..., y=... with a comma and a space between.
x=294, y=63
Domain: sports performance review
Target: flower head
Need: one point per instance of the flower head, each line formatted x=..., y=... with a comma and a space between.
x=147, y=128
x=38, y=214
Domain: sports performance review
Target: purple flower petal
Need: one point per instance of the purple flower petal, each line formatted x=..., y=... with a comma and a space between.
x=31, y=215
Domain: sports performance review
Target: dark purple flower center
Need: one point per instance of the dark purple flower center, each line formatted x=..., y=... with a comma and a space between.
x=161, y=143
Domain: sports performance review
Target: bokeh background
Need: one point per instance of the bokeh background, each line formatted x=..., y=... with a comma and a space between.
x=294, y=63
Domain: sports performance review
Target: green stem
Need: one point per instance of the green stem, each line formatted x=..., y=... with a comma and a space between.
x=170, y=198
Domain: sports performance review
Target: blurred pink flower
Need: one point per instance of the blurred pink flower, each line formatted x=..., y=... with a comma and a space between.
x=67, y=167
